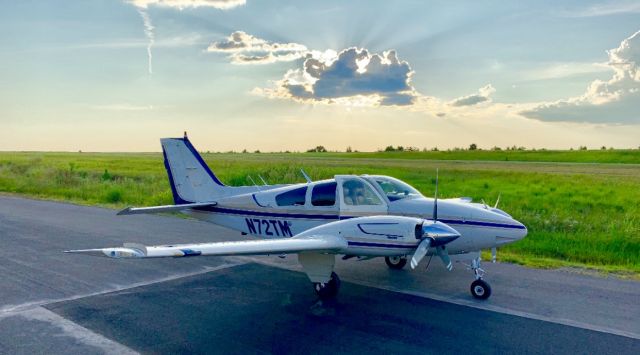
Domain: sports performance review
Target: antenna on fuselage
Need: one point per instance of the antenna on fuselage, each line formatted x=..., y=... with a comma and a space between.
x=306, y=176
x=253, y=182
x=435, y=200
x=263, y=181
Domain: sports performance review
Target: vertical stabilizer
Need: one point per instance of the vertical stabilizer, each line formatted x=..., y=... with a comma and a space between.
x=190, y=178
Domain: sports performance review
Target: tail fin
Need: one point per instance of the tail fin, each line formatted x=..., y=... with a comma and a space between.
x=190, y=178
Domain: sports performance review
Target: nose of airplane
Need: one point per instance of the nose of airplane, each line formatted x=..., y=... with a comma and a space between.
x=522, y=231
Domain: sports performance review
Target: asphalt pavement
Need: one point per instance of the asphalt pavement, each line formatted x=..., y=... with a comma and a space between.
x=59, y=303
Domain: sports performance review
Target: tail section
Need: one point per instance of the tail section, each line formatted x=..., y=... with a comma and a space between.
x=190, y=178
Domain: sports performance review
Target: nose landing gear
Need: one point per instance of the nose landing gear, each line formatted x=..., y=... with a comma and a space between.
x=480, y=289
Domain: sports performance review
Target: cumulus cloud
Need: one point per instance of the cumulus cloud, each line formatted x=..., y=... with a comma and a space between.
x=244, y=48
x=483, y=95
x=181, y=4
x=353, y=76
x=614, y=101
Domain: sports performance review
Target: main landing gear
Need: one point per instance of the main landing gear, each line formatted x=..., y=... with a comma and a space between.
x=328, y=290
x=395, y=262
x=480, y=289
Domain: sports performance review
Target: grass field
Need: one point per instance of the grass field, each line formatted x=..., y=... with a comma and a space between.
x=583, y=215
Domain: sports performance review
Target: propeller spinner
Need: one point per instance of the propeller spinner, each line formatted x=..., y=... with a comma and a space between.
x=435, y=235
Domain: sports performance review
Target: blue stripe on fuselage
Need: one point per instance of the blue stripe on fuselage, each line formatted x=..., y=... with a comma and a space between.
x=380, y=245
x=223, y=210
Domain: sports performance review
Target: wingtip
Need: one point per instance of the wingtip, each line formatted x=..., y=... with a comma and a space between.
x=124, y=211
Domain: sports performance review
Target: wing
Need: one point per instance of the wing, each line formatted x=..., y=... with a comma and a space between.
x=166, y=208
x=311, y=243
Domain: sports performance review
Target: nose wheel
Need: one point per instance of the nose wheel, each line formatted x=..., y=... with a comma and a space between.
x=328, y=290
x=480, y=289
x=395, y=262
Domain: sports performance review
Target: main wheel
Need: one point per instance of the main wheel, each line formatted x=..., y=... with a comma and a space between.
x=395, y=262
x=480, y=289
x=328, y=290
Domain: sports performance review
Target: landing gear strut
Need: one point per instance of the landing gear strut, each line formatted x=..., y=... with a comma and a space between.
x=328, y=290
x=395, y=262
x=480, y=289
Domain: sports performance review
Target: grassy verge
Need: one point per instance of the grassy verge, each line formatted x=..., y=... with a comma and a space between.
x=578, y=215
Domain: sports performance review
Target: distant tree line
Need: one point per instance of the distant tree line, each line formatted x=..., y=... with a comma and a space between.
x=400, y=148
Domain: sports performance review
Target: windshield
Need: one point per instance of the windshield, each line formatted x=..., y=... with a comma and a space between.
x=394, y=188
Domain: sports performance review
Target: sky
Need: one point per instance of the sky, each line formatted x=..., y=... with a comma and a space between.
x=118, y=75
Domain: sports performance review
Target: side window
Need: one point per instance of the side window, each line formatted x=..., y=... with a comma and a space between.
x=324, y=194
x=292, y=198
x=357, y=193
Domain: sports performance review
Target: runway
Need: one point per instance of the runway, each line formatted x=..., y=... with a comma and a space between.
x=58, y=303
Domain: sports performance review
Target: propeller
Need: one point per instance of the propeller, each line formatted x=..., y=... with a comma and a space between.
x=435, y=234
x=497, y=200
x=435, y=200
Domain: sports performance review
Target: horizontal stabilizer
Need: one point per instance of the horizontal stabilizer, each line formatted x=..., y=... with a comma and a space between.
x=312, y=243
x=161, y=209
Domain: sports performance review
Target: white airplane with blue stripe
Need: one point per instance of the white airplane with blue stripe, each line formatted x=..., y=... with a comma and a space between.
x=359, y=217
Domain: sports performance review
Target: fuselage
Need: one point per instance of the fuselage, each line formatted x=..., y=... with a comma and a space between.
x=285, y=211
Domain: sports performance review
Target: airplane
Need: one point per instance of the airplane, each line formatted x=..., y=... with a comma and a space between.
x=356, y=216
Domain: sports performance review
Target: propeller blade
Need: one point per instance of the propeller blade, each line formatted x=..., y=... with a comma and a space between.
x=494, y=252
x=444, y=256
x=435, y=200
x=420, y=252
x=497, y=200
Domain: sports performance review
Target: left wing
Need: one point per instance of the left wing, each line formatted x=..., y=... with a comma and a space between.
x=166, y=208
x=310, y=243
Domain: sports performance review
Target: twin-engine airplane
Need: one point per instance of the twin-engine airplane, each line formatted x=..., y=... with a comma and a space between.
x=359, y=217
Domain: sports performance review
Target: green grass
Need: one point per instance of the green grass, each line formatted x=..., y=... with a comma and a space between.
x=578, y=215
x=577, y=156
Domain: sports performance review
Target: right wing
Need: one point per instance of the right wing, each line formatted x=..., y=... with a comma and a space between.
x=311, y=243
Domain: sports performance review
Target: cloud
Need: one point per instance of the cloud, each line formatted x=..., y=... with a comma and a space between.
x=182, y=4
x=142, y=6
x=616, y=8
x=122, y=107
x=353, y=76
x=614, y=101
x=483, y=95
x=244, y=48
x=558, y=70
x=148, y=31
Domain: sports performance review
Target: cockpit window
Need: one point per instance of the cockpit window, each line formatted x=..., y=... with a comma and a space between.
x=357, y=193
x=293, y=197
x=395, y=189
x=324, y=194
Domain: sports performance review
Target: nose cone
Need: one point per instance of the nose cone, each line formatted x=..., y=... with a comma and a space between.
x=513, y=233
x=522, y=232
x=508, y=230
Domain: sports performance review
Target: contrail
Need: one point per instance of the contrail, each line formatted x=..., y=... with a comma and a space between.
x=148, y=31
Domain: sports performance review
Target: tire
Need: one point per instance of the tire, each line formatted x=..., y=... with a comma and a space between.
x=328, y=290
x=480, y=289
x=395, y=262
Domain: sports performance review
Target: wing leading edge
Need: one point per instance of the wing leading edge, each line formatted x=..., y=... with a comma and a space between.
x=311, y=243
